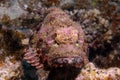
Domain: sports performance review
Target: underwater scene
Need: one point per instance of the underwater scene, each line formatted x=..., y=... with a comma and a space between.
x=59, y=39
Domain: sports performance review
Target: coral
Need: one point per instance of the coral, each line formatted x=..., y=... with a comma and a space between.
x=91, y=72
x=14, y=11
x=92, y=23
x=108, y=8
x=10, y=69
x=5, y=19
x=42, y=74
x=82, y=4
x=108, y=50
x=67, y=4
x=49, y=3
x=13, y=41
x=29, y=5
x=102, y=36
x=4, y=3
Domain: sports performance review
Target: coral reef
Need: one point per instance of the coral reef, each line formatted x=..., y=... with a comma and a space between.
x=91, y=72
x=102, y=36
x=50, y=36
x=92, y=22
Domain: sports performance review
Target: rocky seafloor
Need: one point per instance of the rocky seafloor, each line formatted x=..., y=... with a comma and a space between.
x=99, y=19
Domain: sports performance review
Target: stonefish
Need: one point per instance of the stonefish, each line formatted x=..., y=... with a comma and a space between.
x=61, y=42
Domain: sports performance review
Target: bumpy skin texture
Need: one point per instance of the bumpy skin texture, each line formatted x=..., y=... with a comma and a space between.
x=61, y=40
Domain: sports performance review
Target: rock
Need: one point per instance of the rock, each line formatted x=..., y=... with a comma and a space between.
x=13, y=11
x=10, y=69
x=91, y=72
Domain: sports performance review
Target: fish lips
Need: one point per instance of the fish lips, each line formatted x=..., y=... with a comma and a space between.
x=76, y=61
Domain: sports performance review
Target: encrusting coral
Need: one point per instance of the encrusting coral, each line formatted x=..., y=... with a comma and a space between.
x=10, y=69
x=91, y=72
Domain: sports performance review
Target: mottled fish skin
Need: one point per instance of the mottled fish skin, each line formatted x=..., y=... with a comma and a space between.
x=62, y=40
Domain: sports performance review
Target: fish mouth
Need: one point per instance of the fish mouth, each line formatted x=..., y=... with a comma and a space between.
x=68, y=61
